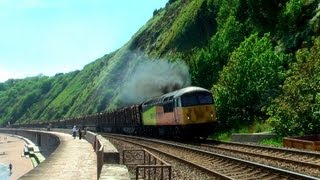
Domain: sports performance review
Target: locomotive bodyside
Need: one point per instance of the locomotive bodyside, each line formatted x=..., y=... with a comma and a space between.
x=159, y=111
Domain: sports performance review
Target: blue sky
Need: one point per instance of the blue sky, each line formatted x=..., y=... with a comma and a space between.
x=51, y=36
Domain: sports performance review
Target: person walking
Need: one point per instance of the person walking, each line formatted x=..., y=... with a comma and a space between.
x=10, y=168
x=74, y=132
x=80, y=133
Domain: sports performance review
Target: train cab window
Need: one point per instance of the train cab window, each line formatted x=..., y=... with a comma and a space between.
x=189, y=100
x=196, y=99
x=205, y=99
x=167, y=99
x=168, y=107
x=177, y=102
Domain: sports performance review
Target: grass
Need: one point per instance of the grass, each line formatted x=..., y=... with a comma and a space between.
x=274, y=142
x=222, y=137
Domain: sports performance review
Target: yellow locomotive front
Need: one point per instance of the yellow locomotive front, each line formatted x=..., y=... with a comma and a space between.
x=195, y=112
x=194, y=106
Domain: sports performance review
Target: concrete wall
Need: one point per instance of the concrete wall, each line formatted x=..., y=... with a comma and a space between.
x=108, y=158
x=251, y=138
x=306, y=142
x=46, y=142
x=91, y=138
x=111, y=154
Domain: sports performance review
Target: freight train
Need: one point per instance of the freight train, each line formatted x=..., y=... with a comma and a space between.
x=188, y=112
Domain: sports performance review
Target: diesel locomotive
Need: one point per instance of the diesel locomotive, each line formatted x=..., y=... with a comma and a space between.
x=188, y=112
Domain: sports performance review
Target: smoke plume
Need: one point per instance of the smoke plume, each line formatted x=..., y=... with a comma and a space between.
x=152, y=78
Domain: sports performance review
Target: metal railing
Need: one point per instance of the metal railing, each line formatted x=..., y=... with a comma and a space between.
x=147, y=165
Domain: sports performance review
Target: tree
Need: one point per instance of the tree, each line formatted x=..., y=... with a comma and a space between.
x=249, y=81
x=295, y=24
x=297, y=110
x=210, y=61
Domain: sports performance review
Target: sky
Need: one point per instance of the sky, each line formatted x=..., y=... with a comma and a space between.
x=53, y=36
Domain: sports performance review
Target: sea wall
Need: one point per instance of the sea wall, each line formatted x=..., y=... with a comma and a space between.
x=46, y=141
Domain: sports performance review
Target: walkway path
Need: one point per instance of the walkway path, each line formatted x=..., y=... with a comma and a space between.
x=73, y=159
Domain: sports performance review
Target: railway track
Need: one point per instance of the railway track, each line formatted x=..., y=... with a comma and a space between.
x=218, y=165
x=305, y=162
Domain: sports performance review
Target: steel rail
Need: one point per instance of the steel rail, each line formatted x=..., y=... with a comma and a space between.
x=287, y=173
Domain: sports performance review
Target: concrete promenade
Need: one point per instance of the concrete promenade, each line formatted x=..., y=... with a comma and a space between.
x=73, y=159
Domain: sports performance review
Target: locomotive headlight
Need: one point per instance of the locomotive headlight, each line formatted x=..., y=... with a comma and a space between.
x=211, y=115
x=188, y=116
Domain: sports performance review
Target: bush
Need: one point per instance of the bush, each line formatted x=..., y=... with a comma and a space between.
x=297, y=110
x=248, y=82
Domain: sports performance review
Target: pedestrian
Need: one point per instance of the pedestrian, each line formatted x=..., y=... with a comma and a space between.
x=74, y=132
x=80, y=133
x=10, y=168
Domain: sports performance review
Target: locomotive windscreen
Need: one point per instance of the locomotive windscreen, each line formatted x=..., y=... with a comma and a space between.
x=196, y=99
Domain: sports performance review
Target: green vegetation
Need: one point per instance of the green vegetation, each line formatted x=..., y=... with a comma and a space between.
x=225, y=136
x=255, y=127
x=297, y=110
x=259, y=58
x=249, y=81
x=275, y=142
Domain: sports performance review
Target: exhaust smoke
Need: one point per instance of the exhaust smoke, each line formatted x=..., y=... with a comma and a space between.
x=152, y=78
